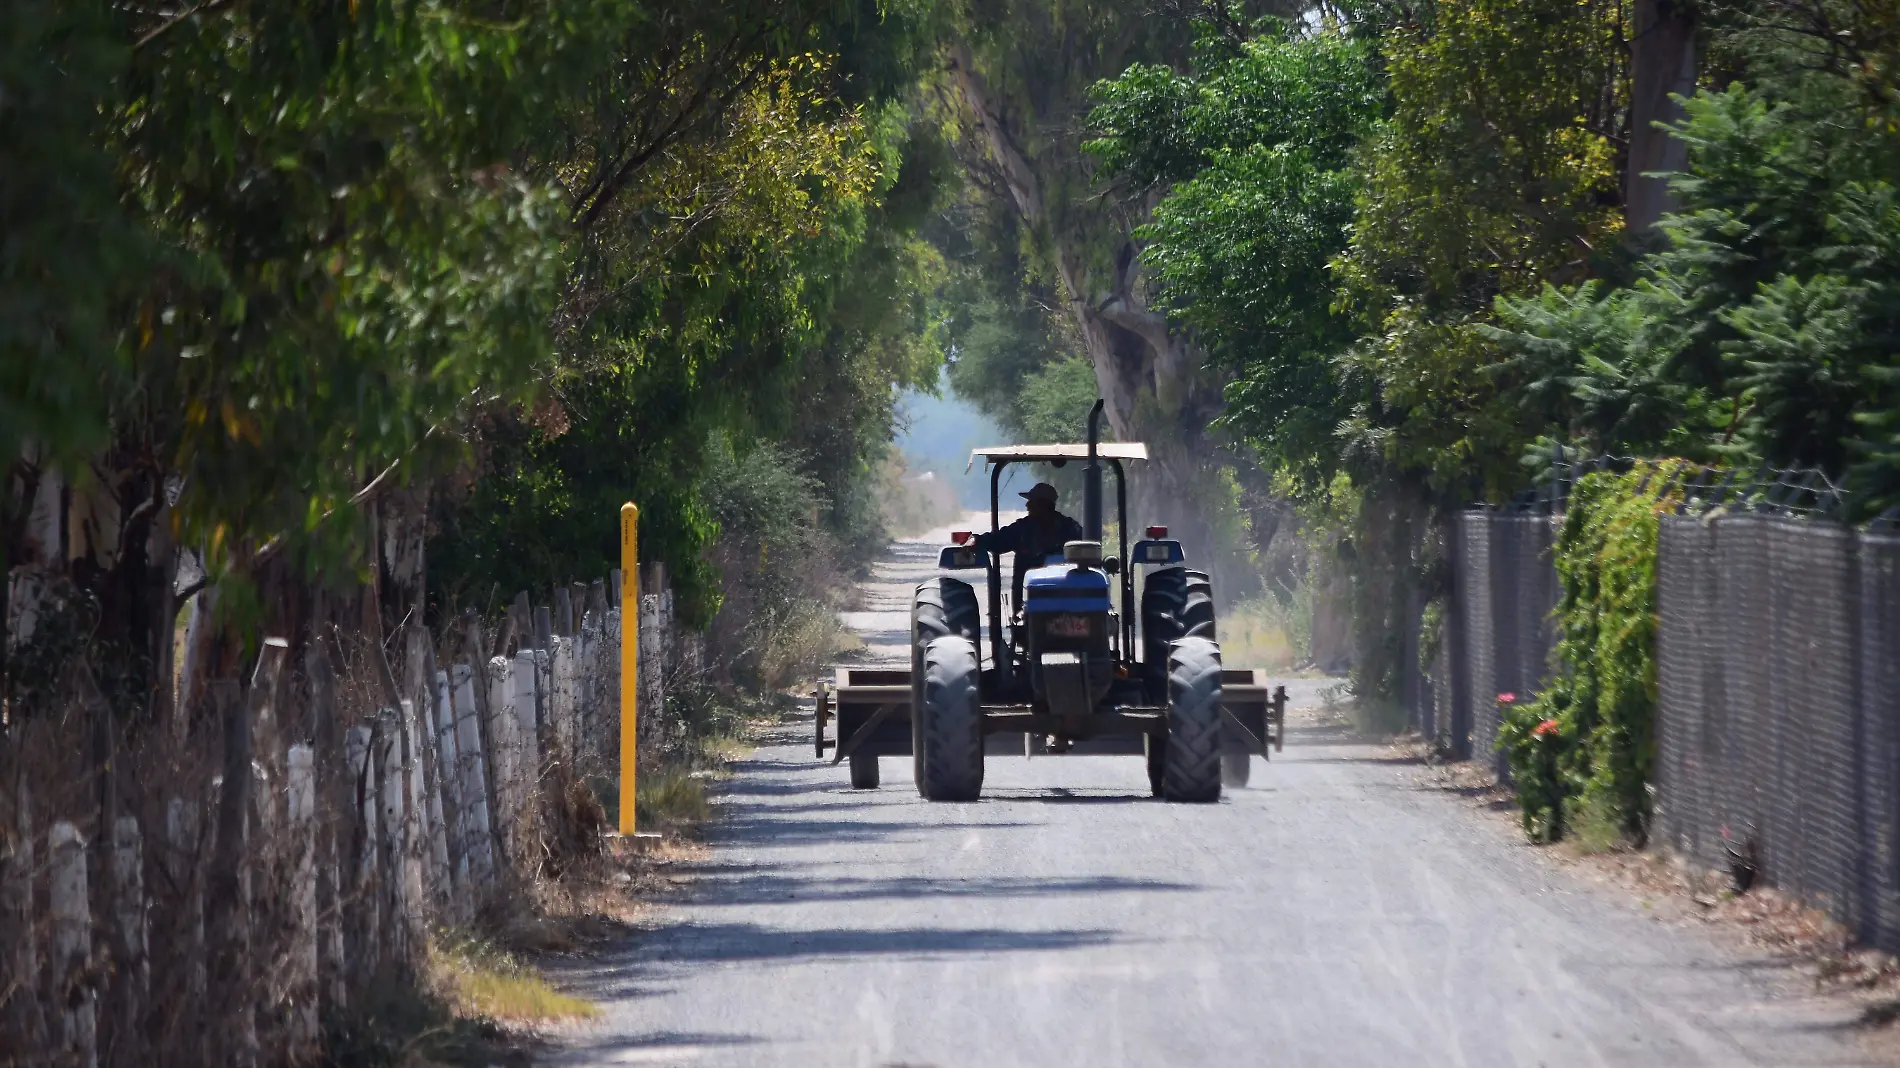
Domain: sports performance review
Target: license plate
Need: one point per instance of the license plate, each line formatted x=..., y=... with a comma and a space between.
x=1069, y=627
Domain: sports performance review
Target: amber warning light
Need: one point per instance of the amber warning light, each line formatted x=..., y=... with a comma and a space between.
x=1157, y=533
x=961, y=537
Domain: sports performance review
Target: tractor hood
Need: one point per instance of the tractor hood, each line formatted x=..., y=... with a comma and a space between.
x=1065, y=588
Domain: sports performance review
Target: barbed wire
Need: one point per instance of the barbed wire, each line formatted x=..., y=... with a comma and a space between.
x=1805, y=492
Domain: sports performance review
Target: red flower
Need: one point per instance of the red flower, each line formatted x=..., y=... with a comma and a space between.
x=1546, y=729
x=1506, y=698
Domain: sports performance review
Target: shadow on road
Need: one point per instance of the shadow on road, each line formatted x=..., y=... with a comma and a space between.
x=653, y=1048
x=733, y=942
x=754, y=888
x=763, y=827
x=1056, y=795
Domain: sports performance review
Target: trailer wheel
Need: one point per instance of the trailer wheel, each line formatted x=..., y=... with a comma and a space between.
x=1235, y=769
x=949, y=723
x=1192, y=766
x=864, y=771
x=1156, y=747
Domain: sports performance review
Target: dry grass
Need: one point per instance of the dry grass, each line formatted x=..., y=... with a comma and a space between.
x=478, y=980
x=1254, y=633
x=672, y=800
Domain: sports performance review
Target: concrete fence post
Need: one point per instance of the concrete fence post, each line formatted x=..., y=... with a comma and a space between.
x=560, y=702
x=610, y=682
x=73, y=991
x=16, y=898
x=652, y=669
x=301, y=820
x=504, y=756
x=425, y=791
x=478, y=839
x=231, y=1024
x=395, y=857
x=187, y=853
x=327, y=730
x=527, y=699
x=425, y=878
x=363, y=874
x=449, y=785
x=584, y=645
x=128, y=900
x=543, y=674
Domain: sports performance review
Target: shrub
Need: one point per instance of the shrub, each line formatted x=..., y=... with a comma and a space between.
x=1583, y=750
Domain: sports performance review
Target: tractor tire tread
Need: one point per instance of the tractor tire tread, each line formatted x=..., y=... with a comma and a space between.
x=1192, y=763
x=950, y=722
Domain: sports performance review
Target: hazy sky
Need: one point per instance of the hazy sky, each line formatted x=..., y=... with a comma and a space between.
x=939, y=435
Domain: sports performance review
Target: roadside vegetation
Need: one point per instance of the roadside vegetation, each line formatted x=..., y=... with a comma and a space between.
x=373, y=314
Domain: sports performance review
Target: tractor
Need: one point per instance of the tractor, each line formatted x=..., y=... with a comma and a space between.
x=1067, y=670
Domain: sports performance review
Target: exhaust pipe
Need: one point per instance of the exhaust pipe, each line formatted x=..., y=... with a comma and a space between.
x=1092, y=478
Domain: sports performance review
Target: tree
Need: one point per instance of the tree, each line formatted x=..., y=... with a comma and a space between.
x=1019, y=81
x=1254, y=149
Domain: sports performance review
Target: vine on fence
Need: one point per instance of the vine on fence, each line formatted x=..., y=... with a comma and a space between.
x=1582, y=751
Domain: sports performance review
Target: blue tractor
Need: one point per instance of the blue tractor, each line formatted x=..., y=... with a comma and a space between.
x=1067, y=670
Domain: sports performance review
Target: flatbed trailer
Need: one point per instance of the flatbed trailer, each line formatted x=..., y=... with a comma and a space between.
x=864, y=714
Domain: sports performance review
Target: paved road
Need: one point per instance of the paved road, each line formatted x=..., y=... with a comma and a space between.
x=1336, y=913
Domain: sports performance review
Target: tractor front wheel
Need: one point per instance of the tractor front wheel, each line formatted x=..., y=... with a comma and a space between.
x=949, y=723
x=1191, y=766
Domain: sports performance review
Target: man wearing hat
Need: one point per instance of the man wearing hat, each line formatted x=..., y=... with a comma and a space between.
x=1035, y=536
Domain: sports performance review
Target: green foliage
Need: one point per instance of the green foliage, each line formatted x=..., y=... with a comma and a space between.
x=831, y=319
x=779, y=571
x=351, y=267
x=1592, y=766
x=1496, y=171
x=1056, y=399
x=1258, y=140
x=72, y=252
x=1766, y=328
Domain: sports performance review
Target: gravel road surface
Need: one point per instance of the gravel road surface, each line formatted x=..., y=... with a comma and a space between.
x=1335, y=913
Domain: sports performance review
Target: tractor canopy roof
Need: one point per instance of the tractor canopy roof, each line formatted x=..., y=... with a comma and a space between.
x=1107, y=450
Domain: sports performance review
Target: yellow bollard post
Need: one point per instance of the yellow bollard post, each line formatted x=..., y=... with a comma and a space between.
x=629, y=660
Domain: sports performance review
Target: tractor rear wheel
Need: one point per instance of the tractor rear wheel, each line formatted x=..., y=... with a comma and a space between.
x=1235, y=770
x=940, y=606
x=1191, y=768
x=949, y=722
x=1176, y=603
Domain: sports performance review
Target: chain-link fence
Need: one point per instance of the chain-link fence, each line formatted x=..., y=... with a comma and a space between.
x=1778, y=720
x=1505, y=588
x=1778, y=662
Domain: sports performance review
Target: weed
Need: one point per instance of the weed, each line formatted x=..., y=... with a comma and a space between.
x=672, y=798
x=479, y=980
x=1595, y=825
x=394, y=1024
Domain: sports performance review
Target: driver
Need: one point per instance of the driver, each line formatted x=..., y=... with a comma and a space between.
x=1039, y=534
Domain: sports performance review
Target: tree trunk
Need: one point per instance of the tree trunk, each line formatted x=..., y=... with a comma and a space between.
x=1150, y=376
x=1662, y=64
